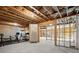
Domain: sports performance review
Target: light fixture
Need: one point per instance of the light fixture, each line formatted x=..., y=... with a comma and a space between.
x=15, y=24
x=50, y=24
x=11, y=23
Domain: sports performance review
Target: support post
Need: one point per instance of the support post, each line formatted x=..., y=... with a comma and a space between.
x=55, y=33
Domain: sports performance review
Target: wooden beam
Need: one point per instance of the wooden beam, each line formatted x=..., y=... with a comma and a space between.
x=67, y=10
x=4, y=22
x=11, y=15
x=60, y=18
x=46, y=10
x=59, y=12
x=39, y=12
x=21, y=14
x=38, y=18
x=11, y=19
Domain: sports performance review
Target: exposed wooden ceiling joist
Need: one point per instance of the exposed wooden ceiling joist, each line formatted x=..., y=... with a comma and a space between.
x=20, y=13
x=59, y=12
x=39, y=12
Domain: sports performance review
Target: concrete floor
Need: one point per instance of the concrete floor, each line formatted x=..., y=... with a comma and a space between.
x=44, y=46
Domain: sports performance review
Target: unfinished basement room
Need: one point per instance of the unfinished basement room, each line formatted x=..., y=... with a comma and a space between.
x=39, y=29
